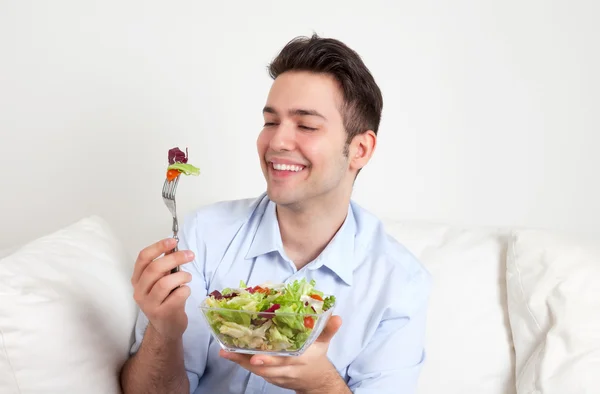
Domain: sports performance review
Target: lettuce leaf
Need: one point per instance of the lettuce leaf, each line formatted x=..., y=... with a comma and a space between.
x=235, y=330
x=187, y=169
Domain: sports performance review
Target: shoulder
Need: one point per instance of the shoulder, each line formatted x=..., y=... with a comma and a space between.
x=212, y=227
x=210, y=230
x=225, y=214
x=380, y=252
x=228, y=210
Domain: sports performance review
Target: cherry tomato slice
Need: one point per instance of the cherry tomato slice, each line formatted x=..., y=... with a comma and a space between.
x=172, y=174
x=309, y=322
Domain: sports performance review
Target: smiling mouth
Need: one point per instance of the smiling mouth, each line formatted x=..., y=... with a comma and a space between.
x=287, y=167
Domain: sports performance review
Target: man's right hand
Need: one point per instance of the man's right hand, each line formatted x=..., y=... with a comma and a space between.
x=160, y=294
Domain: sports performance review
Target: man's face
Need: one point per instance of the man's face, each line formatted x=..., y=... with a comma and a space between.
x=301, y=146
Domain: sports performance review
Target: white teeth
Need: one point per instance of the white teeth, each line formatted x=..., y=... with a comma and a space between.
x=287, y=167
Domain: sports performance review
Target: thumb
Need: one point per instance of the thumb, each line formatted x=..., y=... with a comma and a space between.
x=333, y=325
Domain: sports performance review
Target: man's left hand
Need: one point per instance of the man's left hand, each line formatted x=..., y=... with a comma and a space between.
x=310, y=373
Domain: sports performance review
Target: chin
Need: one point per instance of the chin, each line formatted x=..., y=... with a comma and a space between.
x=283, y=199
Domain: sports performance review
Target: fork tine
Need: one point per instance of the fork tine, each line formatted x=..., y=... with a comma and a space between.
x=172, y=187
x=165, y=188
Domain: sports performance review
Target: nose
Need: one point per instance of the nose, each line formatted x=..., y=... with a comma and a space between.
x=283, y=138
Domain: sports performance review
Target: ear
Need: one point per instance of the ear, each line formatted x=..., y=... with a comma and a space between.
x=361, y=149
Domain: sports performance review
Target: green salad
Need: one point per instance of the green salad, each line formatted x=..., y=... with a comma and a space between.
x=268, y=317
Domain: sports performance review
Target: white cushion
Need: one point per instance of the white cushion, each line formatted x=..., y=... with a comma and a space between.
x=6, y=252
x=469, y=346
x=66, y=312
x=554, y=305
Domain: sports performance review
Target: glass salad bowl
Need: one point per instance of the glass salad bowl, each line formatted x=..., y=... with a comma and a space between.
x=280, y=320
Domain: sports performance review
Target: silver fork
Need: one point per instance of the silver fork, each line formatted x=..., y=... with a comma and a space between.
x=168, y=195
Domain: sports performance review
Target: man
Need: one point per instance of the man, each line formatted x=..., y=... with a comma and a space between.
x=321, y=120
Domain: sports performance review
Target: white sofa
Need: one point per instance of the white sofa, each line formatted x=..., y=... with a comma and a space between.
x=512, y=311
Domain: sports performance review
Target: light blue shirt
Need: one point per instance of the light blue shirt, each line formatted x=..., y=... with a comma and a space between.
x=381, y=292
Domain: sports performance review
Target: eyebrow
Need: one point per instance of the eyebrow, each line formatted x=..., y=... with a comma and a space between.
x=295, y=112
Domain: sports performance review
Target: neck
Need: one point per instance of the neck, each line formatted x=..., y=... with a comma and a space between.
x=306, y=231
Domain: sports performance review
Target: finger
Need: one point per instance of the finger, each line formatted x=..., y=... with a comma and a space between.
x=270, y=361
x=149, y=254
x=266, y=371
x=282, y=373
x=257, y=360
x=242, y=359
x=163, y=287
x=161, y=267
x=177, y=298
x=333, y=325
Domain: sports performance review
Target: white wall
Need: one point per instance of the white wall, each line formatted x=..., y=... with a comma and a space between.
x=490, y=115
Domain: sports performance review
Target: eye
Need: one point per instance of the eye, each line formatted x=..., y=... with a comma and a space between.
x=268, y=124
x=307, y=128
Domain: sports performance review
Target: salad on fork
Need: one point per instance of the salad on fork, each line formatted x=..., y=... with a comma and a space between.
x=177, y=165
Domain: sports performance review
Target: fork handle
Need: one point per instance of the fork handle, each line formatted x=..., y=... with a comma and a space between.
x=175, y=231
x=175, y=249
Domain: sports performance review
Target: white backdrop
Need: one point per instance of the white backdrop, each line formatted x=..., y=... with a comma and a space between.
x=490, y=114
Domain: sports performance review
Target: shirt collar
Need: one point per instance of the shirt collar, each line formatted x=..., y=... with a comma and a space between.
x=338, y=256
x=267, y=238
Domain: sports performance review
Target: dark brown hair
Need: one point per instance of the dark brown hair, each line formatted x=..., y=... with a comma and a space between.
x=363, y=101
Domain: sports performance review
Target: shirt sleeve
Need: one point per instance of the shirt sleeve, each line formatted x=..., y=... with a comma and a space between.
x=196, y=338
x=392, y=360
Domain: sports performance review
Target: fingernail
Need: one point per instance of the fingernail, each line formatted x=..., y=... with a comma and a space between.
x=258, y=362
x=189, y=254
x=169, y=242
